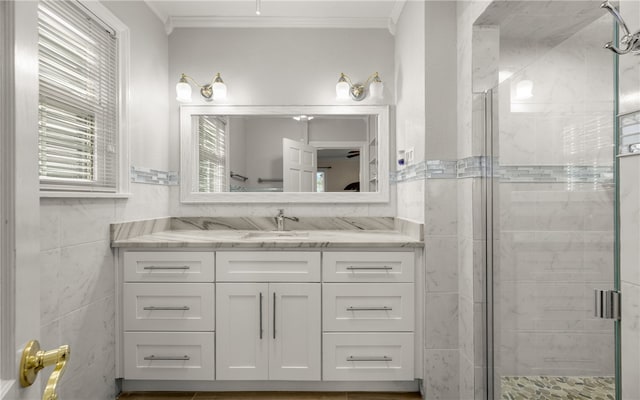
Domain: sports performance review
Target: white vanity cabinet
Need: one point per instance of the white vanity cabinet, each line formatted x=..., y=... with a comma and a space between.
x=368, y=316
x=328, y=317
x=168, y=315
x=268, y=316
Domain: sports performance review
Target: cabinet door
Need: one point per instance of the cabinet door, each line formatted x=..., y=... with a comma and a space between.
x=242, y=349
x=294, y=331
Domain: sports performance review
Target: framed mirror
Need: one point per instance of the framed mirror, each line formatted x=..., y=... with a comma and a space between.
x=282, y=154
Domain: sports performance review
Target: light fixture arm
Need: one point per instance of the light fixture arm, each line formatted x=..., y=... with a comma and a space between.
x=372, y=78
x=358, y=91
x=206, y=90
x=184, y=78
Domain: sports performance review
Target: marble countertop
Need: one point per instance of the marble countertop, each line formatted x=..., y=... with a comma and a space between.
x=263, y=239
x=259, y=232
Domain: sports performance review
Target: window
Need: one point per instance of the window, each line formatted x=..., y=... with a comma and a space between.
x=320, y=177
x=78, y=104
x=212, y=154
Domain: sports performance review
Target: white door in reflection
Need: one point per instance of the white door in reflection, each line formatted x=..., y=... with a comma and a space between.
x=299, y=164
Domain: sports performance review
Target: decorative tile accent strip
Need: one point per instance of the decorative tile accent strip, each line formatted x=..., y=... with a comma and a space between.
x=557, y=387
x=409, y=173
x=556, y=173
x=442, y=169
x=472, y=167
x=153, y=176
x=430, y=169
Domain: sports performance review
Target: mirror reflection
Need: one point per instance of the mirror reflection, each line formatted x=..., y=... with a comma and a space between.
x=286, y=153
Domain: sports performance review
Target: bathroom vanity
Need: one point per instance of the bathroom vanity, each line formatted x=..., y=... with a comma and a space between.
x=305, y=309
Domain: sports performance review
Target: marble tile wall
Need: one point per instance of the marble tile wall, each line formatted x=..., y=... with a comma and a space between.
x=441, y=348
x=629, y=273
x=77, y=283
x=477, y=71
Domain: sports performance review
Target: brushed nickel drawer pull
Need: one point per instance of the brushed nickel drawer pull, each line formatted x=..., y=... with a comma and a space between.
x=167, y=358
x=260, y=306
x=366, y=358
x=153, y=308
x=152, y=267
x=383, y=268
x=383, y=308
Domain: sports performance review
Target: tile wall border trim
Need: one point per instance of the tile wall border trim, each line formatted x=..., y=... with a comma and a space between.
x=152, y=176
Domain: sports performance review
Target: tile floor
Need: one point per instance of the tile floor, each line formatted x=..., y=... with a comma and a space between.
x=268, y=396
x=558, y=387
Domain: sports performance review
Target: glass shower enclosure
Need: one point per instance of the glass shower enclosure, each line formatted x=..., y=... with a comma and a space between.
x=550, y=215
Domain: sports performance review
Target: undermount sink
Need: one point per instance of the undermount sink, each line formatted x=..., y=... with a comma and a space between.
x=276, y=235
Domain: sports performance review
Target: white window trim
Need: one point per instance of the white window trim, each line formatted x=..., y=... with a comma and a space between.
x=124, y=71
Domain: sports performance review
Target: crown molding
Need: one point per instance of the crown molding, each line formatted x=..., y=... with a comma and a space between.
x=275, y=22
x=164, y=18
x=398, y=6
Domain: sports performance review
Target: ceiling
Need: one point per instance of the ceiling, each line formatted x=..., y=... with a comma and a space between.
x=382, y=14
x=549, y=22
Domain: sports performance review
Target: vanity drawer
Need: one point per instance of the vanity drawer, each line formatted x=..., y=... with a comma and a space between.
x=368, y=266
x=169, y=307
x=169, y=355
x=268, y=266
x=368, y=307
x=169, y=266
x=367, y=357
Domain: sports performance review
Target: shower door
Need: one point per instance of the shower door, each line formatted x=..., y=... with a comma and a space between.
x=551, y=199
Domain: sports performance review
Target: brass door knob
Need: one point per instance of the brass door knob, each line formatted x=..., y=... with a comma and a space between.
x=33, y=360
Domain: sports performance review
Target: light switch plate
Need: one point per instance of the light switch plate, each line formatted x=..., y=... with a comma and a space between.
x=408, y=156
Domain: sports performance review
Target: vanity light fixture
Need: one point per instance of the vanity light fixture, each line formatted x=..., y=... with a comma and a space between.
x=345, y=88
x=303, y=117
x=216, y=90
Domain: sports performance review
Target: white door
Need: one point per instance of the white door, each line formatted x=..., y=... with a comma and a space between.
x=295, y=332
x=299, y=164
x=242, y=334
x=19, y=197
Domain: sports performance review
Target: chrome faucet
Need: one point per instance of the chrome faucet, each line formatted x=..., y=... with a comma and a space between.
x=280, y=219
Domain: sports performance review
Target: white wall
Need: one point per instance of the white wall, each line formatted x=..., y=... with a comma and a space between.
x=410, y=103
x=278, y=67
x=343, y=171
x=77, y=263
x=264, y=148
x=338, y=129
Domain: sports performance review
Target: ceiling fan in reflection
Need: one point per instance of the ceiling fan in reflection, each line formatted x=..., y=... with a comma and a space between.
x=353, y=153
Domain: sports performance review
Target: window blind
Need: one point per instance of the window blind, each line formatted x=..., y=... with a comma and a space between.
x=78, y=106
x=212, y=155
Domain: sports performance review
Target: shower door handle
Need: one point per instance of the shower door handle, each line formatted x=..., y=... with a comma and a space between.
x=607, y=304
